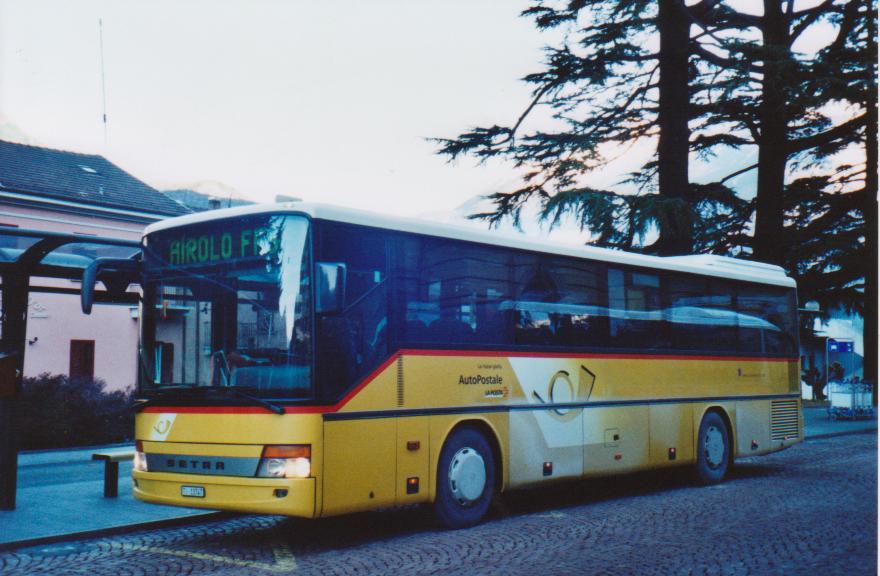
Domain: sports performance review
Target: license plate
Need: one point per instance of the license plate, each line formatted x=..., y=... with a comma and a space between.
x=193, y=491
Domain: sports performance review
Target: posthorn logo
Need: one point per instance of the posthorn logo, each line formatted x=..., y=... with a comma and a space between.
x=162, y=427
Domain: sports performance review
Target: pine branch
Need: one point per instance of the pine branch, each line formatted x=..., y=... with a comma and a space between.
x=725, y=62
x=538, y=95
x=827, y=136
x=848, y=23
x=738, y=172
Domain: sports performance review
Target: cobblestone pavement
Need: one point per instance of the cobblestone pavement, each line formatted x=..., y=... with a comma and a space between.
x=809, y=510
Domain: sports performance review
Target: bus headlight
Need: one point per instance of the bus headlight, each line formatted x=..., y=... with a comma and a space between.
x=290, y=461
x=140, y=459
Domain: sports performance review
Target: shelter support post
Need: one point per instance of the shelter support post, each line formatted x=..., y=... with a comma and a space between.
x=13, y=322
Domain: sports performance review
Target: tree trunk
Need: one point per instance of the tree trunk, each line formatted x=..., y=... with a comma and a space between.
x=677, y=232
x=870, y=309
x=772, y=155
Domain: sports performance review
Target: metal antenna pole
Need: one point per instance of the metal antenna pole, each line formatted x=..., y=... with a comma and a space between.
x=103, y=84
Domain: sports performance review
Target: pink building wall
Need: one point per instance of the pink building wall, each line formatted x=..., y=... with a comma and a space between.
x=56, y=319
x=46, y=219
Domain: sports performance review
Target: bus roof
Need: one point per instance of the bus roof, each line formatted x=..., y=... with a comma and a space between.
x=703, y=264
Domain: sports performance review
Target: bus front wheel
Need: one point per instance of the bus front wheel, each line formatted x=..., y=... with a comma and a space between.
x=713, y=449
x=465, y=479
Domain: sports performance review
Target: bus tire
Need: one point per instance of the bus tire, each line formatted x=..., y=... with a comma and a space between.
x=713, y=449
x=465, y=479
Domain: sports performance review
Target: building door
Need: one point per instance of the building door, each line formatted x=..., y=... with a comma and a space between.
x=82, y=359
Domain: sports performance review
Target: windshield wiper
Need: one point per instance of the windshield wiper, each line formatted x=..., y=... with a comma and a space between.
x=271, y=406
x=264, y=403
x=141, y=404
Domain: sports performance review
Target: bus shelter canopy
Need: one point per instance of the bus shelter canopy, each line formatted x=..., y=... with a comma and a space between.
x=38, y=253
x=27, y=255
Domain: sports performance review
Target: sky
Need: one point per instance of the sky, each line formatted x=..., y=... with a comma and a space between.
x=326, y=101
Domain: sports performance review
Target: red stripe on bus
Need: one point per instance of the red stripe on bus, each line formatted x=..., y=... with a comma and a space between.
x=609, y=356
x=366, y=381
x=287, y=409
x=449, y=353
x=230, y=410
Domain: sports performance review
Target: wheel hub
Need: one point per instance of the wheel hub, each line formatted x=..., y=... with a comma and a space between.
x=713, y=447
x=467, y=476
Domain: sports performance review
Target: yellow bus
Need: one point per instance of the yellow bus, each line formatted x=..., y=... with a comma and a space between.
x=310, y=360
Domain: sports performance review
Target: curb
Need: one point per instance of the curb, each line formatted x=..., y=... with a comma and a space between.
x=115, y=530
x=841, y=433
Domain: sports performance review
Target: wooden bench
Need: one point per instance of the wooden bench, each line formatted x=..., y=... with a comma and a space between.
x=111, y=469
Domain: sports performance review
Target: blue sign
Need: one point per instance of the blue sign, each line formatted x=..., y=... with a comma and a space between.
x=839, y=346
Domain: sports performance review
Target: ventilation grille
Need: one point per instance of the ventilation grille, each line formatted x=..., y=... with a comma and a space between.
x=784, y=417
x=400, y=380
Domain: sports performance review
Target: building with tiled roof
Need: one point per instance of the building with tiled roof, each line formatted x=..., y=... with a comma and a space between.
x=60, y=191
x=78, y=183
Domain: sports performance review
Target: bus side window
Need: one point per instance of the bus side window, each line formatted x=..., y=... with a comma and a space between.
x=535, y=287
x=700, y=314
x=420, y=289
x=581, y=318
x=533, y=327
x=451, y=292
x=765, y=324
x=720, y=298
x=635, y=308
x=354, y=340
x=493, y=324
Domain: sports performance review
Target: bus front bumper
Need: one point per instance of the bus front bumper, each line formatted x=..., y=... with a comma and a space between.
x=286, y=496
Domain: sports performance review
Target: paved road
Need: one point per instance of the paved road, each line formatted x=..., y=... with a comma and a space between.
x=809, y=510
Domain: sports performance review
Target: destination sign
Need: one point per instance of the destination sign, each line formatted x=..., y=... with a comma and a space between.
x=214, y=243
x=214, y=247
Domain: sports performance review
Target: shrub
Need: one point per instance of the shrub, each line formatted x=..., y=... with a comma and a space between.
x=57, y=412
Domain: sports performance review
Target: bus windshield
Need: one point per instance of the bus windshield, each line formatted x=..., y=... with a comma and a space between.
x=228, y=304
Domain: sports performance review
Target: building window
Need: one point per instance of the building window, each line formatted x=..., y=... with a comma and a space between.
x=82, y=359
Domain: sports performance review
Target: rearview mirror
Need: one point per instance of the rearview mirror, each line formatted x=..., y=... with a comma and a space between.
x=330, y=287
x=116, y=274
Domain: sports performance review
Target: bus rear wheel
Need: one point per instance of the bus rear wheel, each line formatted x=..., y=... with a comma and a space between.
x=713, y=449
x=465, y=479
